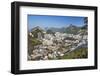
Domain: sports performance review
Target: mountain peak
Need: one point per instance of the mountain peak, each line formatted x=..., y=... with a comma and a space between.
x=37, y=27
x=72, y=26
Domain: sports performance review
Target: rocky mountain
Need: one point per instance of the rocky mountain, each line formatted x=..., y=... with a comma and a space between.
x=37, y=28
x=37, y=31
x=72, y=29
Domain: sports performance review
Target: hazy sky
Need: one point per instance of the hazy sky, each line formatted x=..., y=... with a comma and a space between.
x=54, y=21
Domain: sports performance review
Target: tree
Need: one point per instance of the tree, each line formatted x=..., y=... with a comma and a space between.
x=85, y=23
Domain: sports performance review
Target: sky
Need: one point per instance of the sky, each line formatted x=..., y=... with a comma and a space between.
x=53, y=21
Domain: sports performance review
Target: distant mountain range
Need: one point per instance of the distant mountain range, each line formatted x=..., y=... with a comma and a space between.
x=72, y=29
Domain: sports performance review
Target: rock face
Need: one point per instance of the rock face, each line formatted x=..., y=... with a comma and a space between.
x=55, y=45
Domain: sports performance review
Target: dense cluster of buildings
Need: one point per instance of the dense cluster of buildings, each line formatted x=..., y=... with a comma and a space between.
x=56, y=45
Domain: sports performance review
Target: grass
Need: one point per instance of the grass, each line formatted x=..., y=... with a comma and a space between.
x=76, y=54
x=35, y=42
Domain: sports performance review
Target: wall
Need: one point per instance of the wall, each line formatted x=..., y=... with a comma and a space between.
x=5, y=41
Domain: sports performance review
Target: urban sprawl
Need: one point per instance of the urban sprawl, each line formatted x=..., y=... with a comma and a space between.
x=52, y=46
